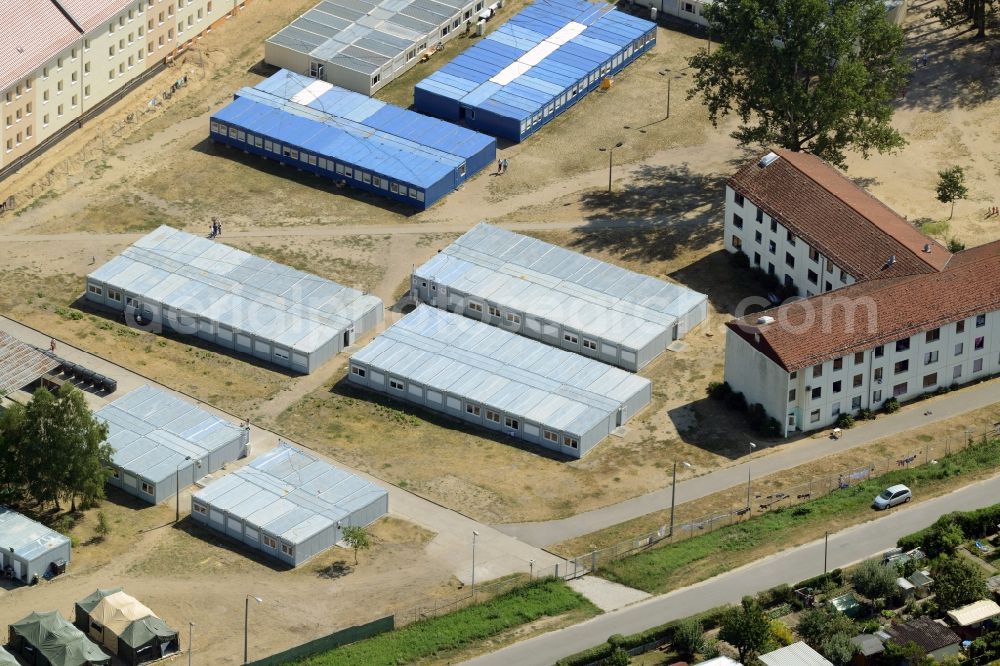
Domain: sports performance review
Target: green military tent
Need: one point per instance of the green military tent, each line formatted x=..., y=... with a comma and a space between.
x=47, y=639
x=125, y=627
x=6, y=659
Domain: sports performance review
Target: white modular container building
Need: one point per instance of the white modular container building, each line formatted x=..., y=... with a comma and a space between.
x=195, y=286
x=159, y=439
x=362, y=45
x=29, y=548
x=558, y=296
x=288, y=504
x=501, y=381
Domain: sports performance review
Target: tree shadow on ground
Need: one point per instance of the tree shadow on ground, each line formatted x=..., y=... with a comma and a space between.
x=335, y=570
x=662, y=210
x=961, y=72
x=721, y=430
x=730, y=289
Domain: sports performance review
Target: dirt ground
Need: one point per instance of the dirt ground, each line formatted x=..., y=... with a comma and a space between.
x=187, y=574
x=95, y=193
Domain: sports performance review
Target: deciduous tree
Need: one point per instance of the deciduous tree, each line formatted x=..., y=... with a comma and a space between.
x=958, y=582
x=951, y=187
x=956, y=12
x=747, y=628
x=357, y=538
x=874, y=580
x=806, y=75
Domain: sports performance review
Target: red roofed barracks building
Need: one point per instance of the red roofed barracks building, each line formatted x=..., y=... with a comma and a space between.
x=888, y=311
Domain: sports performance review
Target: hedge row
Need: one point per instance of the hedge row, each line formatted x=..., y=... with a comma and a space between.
x=709, y=619
x=974, y=525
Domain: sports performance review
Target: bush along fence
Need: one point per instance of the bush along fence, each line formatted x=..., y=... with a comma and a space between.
x=329, y=642
x=817, y=488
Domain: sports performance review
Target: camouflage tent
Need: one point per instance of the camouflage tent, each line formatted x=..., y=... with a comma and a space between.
x=47, y=639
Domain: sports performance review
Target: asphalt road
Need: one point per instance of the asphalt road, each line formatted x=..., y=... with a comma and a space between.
x=787, y=456
x=846, y=547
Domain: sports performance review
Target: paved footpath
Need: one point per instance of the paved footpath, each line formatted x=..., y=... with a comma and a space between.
x=788, y=456
x=497, y=554
x=846, y=547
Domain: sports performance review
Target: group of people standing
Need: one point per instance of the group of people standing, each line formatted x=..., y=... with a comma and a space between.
x=216, y=228
x=502, y=166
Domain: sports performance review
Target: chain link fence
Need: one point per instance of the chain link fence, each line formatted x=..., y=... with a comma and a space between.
x=761, y=503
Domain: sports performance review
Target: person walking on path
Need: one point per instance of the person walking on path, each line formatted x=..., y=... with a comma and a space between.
x=504, y=163
x=52, y=345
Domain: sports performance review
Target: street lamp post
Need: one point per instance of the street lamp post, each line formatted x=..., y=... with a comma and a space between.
x=190, y=642
x=611, y=155
x=177, y=487
x=673, y=496
x=246, y=627
x=474, y=535
x=749, y=461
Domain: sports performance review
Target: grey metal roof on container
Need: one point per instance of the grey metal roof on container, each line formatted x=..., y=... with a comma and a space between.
x=556, y=284
x=152, y=432
x=21, y=364
x=290, y=494
x=361, y=35
x=27, y=538
x=498, y=369
x=207, y=279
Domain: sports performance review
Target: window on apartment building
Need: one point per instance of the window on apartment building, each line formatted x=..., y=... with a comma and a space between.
x=770, y=269
x=111, y=74
x=738, y=198
x=859, y=358
x=898, y=390
x=837, y=385
x=793, y=375
x=901, y=367
x=121, y=21
x=27, y=131
x=930, y=380
x=789, y=260
x=903, y=345
x=10, y=145
x=208, y=7
x=959, y=348
x=818, y=370
x=811, y=276
x=956, y=372
x=817, y=393
x=829, y=287
x=737, y=242
x=980, y=342
x=791, y=395
x=18, y=142
x=876, y=397
x=930, y=357
x=838, y=363
x=814, y=416
x=877, y=377
x=111, y=50
x=960, y=326
x=980, y=320
x=790, y=237
x=879, y=351
x=200, y=13
x=813, y=254
x=757, y=237
x=774, y=226
x=121, y=68
x=86, y=45
x=843, y=277
x=59, y=86
x=10, y=121
x=977, y=365
x=760, y=215
x=45, y=120
x=190, y=20
x=73, y=101
x=131, y=37
x=772, y=247
x=131, y=60
x=170, y=9
x=737, y=221
x=932, y=335
x=72, y=77
x=170, y=33
x=857, y=381
x=835, y=409
x=756, y=258
x=86, y=68
x=59, y=111
x=160, y=18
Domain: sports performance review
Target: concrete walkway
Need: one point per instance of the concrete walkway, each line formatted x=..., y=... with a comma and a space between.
x=845, y=548
x=786, y=456
x=497, y=554
x=606, y=595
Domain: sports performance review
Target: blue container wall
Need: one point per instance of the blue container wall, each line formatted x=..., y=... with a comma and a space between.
x=438, y=190
x=473, y=165
x=435, y=105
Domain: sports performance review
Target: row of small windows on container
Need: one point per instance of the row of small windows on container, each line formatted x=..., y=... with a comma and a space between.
x=328, y=165
x=510, y=423
x=249, y=532
x=581, y=86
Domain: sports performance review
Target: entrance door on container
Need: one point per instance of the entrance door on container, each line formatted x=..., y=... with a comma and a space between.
x=17, y=569
x=621, y=415
x=347, y=338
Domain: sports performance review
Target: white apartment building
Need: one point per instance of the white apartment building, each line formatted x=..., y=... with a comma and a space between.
x=809, y=361
x=923, y=320
x=796, y=217
x=60, y=59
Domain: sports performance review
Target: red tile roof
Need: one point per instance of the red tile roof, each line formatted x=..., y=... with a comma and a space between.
x=91, y=13
x=867, y=314
x=33, y=32
x=20, y=364
x=856, y=230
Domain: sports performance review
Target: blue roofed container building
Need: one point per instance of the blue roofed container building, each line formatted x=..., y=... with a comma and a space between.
x=352, y=139
x=288, y=504
x=534, y=67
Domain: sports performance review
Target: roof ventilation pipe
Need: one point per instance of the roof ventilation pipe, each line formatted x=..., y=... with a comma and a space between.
x=765, y=320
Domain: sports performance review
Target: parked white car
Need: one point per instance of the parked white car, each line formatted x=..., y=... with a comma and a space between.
x=891, y=496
